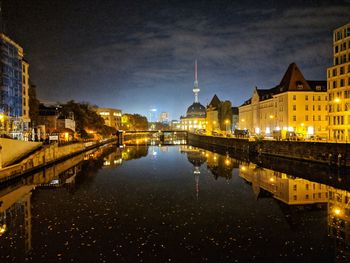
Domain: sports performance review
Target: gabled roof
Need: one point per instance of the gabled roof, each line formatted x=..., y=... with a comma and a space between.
x=215, y=102
x=293, y=80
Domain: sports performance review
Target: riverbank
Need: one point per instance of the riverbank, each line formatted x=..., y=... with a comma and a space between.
x=333, y=154
x=47, y=156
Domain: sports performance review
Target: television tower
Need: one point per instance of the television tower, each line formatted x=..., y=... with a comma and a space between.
x=196, y=88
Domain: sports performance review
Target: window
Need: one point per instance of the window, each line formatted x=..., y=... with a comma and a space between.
x=294, y=107
x=334, y=84
x=295, y=96
x=334, y=72
x=294, y=118
x=342, y=83
x=295, y=187
x=306, y=97
x=319, y=98
x=306, y=107
x=319, y=107
x=341, y=70
x=306, y=117
x=319, y=117
x=306, y=196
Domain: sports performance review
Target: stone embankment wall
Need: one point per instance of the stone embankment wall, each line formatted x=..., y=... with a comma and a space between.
x=322, y=152
x=11, y=150
x=48, y=155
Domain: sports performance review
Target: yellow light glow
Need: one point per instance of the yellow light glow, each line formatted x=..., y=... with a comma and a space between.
x=207, y=154
x=336, y=100
x=215, y=158
x=3, y=229
x=337, y=211
x=272, y=179
x=243, y=168
x=271, y=116
x=226, y=121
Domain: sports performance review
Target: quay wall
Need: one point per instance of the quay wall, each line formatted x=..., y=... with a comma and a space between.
x=48, y=155
x=11, y=150
x=321, y=152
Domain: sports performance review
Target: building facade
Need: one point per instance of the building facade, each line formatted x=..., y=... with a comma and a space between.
x=11, y=98
x=164, y=117
x=338, y=81
x=295, y=105
x=25, y=94
x=112, y=117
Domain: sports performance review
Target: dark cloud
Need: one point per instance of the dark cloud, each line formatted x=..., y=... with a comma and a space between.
x=136, y=55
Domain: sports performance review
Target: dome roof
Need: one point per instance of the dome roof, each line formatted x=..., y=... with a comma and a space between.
x=196, y=110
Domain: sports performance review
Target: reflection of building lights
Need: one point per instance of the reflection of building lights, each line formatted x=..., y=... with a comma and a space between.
x=196, y=172
x=3, y=229
x=106, y=163
x=337, y=211
x=55, y=182
x=154, y=153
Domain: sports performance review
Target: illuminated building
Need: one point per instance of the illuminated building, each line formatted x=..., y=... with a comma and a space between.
x=52, y=122
x=196, y=114
x=25, y=94
x=338, y=81
x=212, y=114
x=295, y=105
x=112, y=117
x=14, y=77
x=164, y=117
x=219, y=115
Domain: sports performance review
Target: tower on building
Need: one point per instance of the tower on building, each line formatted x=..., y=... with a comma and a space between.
x=196, y=87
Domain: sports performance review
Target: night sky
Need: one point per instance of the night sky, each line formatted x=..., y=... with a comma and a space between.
x=138, y=55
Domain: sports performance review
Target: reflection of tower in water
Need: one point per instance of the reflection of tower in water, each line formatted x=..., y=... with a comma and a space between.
x=196, y=157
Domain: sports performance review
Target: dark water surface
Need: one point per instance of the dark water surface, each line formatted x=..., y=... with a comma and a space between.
x=171, y=204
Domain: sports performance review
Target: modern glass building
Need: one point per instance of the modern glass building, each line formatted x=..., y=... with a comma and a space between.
x=10, y=78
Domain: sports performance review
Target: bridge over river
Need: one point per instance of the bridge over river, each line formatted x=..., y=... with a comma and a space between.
x=152, y=137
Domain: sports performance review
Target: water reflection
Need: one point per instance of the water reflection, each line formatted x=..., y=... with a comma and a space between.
x=240, y=210
x=300, y=192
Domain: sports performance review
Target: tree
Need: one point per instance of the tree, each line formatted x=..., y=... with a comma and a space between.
x=224, y=114
x=33, y=105
x=134, y=122
x=85, y=118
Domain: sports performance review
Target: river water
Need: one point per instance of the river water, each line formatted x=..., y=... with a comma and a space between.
x=171, y=204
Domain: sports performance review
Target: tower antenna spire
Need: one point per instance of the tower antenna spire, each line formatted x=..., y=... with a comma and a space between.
x=196, y=87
